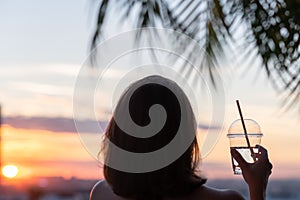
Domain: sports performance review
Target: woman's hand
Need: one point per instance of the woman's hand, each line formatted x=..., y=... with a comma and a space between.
x=255, y=174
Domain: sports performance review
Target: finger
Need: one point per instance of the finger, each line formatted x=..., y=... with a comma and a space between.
x=271, y=166
x=238, y=157
x=262, y=151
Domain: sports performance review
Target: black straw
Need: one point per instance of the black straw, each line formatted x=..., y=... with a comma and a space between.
x=245, y=130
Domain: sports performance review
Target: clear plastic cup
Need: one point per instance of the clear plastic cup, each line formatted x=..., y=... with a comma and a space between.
x=237, y=139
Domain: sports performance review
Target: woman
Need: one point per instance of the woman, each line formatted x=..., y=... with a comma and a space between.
x=179, y=179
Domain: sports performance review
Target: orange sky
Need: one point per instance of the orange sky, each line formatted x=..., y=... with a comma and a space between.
x=44, y=153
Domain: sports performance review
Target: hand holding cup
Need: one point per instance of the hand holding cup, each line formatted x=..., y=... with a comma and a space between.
x=255, y=174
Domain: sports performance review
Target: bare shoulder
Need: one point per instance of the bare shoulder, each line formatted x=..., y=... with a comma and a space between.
x=98, y=190
x=102, y=190
x=206, y=192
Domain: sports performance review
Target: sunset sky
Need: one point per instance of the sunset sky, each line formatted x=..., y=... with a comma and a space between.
x=43, y=46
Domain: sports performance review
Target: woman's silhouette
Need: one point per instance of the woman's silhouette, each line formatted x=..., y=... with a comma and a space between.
x=178, y=179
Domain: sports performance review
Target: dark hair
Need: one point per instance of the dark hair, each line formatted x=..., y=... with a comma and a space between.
x=178, y=178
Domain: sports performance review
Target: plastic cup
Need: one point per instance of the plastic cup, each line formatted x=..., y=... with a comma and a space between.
x=237, y=140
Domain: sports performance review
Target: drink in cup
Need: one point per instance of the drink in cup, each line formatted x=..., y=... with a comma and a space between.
x=241, y=141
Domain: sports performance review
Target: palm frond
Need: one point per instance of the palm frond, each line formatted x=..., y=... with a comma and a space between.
x=274, y=29
x=271, y=31
x=100, y=20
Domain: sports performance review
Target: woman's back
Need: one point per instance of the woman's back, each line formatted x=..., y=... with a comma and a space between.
x=102, y=191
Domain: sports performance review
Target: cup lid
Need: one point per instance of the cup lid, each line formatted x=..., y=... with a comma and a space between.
x=237, y=128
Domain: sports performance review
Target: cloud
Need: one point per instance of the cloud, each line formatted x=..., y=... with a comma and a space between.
x=54, y=124
x=64, y=124
x=207, y=126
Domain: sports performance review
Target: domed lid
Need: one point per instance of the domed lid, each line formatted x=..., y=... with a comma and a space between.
x=237, y=128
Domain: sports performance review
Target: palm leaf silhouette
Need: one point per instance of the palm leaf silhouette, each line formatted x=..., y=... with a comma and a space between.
x=268, y=29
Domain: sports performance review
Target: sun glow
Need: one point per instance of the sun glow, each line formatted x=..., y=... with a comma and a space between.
x=10, y=171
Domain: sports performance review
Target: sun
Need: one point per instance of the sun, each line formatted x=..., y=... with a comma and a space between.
x=10, y=171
